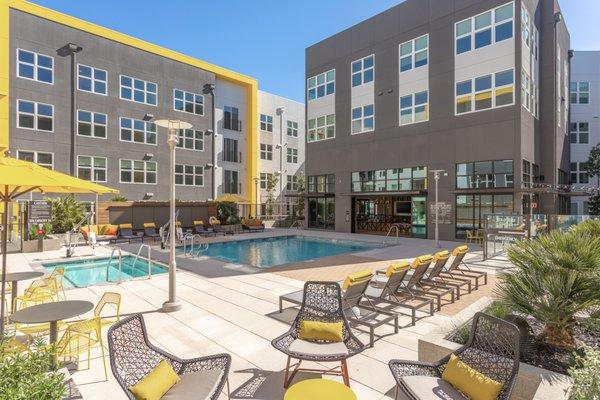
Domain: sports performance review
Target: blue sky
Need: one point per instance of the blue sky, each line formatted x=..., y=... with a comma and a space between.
x=264, y=38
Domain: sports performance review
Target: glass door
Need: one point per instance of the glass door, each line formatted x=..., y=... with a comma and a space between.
x=419, y=216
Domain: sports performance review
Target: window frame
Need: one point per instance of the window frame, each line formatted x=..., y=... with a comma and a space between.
x=578, y=93
x=362, y=119
x=231, y=127
x=493, y=173
x=579, y=173
x=493, y=89
x=324, y=127
x=184, y=174
x=413, y=108
x=493, y=25
x=235, y=151
x=93, y=168
x=293, y=128
x=267, y=123
x=132, y=89
x=266, y=149
x=317, y=85
x=146, y=162
x=577, y=133
x=35, y=116
x=412, y=53
x=292, y=155
x=291, y=183
x=362, y=71
x=181, y=139
x=93, y=80
x=185, y=101
x=93, y=125
x=35, y=66
x=35, y=156
x=237, y=181
x=146, y=124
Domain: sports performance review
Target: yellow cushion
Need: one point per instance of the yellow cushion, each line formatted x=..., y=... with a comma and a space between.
x=158, y=382
x=216, y=222
x=149, y=225
x=315, y=330
x=441, y=255
x=459, y=250
x=396, y=267
x=125, y=226
x=357, y=277
x=473, y=383
x=199, y=222
x=426, y=259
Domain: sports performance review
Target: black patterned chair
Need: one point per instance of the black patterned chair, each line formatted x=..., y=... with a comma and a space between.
x=322, y=301
x=492, y=349
x=132, y=357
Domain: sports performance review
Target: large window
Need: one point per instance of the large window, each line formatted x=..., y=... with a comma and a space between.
x=231, y=118
x=390, y=180
x=190, y=139
x=414, y=53
x=137, y=171
x=92, y=80
x=34, y=66
x=292, y=155
x=321, y=183
x=138, y=90
x=36, y=116
x=230, y=151
x=485, y=174
x=484, y=29
x=414, y=108
x=363, y=119
x=188, y=102
x=189, y=175
x=266, y=123
x=472, y=209
x=38, y=157
x=579, y=173
x=292, y=183
x=266, y=151
x=138, y=131
x=485, y=92
x=580, y=133
x=264, y=179
x=531, y=174
x=230, y=182
x=321, y=128
x=91, y=124
x=363, y=70
x=321, y=85
x=292, y=128
x=91, y=168
x=580, y=93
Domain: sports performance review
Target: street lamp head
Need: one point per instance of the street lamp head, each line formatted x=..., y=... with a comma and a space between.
x=173, y=124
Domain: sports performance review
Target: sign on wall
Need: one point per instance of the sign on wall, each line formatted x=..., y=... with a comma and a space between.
x=39, y=212
x=445, y=215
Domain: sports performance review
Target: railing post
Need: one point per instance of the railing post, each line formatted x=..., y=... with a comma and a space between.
x=149, y=262
x=120, y=266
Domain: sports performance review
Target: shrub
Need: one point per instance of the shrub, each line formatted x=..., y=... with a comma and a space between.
x=66, y=212
x=556, y=277
x=586, y=374
x=227, y=212
x=33, y=229
x=589, y=227
x=119, y=198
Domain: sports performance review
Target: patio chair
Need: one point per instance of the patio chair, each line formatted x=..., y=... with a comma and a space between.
x=322, y=302
x=200, y=229
x=132, y=357
x=456, y=271
x=126, y=233
x=79, y=338
x=416, y=284
x=440, y=259
x=492, y=349
x=150, y=231
x=59, y=277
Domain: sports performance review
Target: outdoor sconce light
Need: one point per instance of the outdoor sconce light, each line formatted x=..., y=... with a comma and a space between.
x=148, y=117
x=208, y=132
x=209, y=165
x=148, y=156
x=148, y=195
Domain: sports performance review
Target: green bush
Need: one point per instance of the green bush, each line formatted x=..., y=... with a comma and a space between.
x=586, y=374
x=589, y=227
x=227, y=213
x=498, y=309
x=66, y=212
x=119, y=198
x=27, y=375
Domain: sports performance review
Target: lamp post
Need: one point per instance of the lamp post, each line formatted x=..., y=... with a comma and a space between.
x=256, y=196
x=173, y=126
x=436, y=177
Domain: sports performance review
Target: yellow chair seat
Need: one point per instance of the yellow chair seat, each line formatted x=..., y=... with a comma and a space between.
x=319, y=389
x=39, y=329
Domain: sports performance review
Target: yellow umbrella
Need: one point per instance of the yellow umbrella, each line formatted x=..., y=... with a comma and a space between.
x=18, y=177
x=231, y=198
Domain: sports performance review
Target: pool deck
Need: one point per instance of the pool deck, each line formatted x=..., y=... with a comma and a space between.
x=234, y=309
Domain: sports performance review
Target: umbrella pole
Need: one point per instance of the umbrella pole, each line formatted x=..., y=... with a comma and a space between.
x=4, y=239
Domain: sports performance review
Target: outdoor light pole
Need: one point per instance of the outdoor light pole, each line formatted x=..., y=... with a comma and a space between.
x=173, y=126
x=256, y=196
x=436, y=178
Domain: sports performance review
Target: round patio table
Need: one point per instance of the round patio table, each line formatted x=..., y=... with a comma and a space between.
x=15, y=277
x=319, y=389
x=52, y=313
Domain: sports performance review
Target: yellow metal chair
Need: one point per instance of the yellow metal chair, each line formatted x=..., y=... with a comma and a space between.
x=108, y=299
x=59, y=277
x=38, y=295
x=79, y=338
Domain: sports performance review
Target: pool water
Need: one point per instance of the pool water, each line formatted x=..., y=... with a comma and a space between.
x=82, y=273
x=265, y=253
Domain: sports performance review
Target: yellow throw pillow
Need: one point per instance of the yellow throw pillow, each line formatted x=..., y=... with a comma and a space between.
x=315, y=330
x=396, y=267
x=459, y=250
x=469, y=381
x=198, y=222
x=158, y=382
x=356, y=277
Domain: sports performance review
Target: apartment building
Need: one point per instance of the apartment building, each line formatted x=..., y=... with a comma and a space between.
x=82, y=99
x=585, y=123
x=478, y=89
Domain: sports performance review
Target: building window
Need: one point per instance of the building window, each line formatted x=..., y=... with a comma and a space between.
x=292, y=183
x=188, y=102
x=579, y=173
x=580, y=93
x=190, y=139
x=91, y=168
x=92, y=80
x=363, y=70
x=266, y=123
x=38, y=157
x=414, y=53
x=292, y=155
x=529, y=97
x=580, y=133
x=137, y=171
x=472, y=209
x=321, y=85
x=91, y=124
x=138, y=90
x=266, y=151
x=321, y=128
x=230, y=182
x=264, y=179
x=292, y=128
x=390, y=180
x=138, y=131
x=230, y=151
x=36, y=116
x=414, y=108
x=485, y=92
x=363, y=119
x=231, y=118
x=189, y=175
x=485, y=174
x=35, y=67
x=484, y=29
x=321, y=183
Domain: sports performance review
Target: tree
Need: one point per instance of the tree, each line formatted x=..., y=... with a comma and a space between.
x=593, y=163
x=300, y=200
x=594, y=205
x=272, y=181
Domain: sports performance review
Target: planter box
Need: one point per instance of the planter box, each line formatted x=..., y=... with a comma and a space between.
x=533, y=383
x=31, y=246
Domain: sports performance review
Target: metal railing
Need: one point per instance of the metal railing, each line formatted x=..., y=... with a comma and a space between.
x=149, y=258
x=112, y=254
x=393, y=228
x=297, y=223
x=191, y=238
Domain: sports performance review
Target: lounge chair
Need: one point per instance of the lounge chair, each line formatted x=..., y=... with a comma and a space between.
x=132, y=357
x=456, y=271
x=253, y=225
x=416, y=284
x=440, y=260
x=199, y=229
x=150, y=231
x=126, y=233
x=493, y=350
x=322, y=302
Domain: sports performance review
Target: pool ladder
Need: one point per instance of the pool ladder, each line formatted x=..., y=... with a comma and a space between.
x=393, y=228
x=112, y=254
x=149, y=258
x=202, y=247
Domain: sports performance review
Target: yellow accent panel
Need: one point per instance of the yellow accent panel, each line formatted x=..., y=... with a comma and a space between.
x=4, y=74
x=252, y=143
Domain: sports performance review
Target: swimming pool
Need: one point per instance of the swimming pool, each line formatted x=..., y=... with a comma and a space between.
x=82, y=273
x=270, y=252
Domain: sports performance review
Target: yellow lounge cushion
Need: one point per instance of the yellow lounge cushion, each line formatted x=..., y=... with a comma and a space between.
x=440, y=255
x=357, y=277
x=459, y=250
x=125, y=226
x=199, y=222
x=316, y=330
x=158, y=382
x=469, y=381
x=396, y=267
x=426, y=259
x=149, y=225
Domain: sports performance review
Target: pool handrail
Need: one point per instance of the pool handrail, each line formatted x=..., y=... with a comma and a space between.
x=112, y=253
x=149, y=259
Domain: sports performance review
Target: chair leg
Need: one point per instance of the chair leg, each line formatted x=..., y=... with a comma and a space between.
x=396, y=393
x=228, y=390
x=104, y=362
x=345, y=373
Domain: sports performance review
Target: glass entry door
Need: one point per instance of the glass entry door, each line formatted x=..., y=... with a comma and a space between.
x=321, y=212
x=419, y=216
